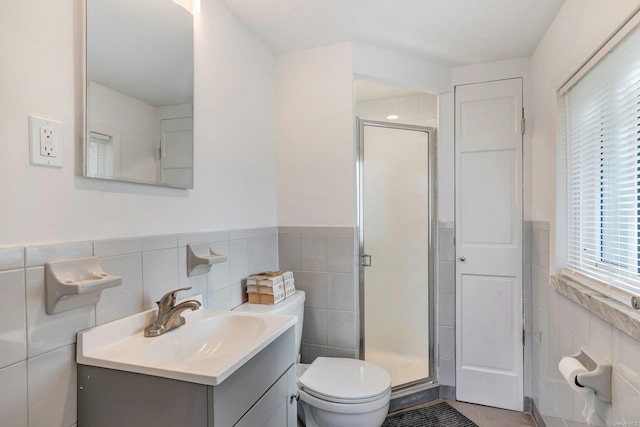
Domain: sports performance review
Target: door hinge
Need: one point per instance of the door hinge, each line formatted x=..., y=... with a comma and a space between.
x=522, y=123
x=523, y=337
x=160, y=152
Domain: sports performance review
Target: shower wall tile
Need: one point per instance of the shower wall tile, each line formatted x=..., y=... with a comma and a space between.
x=314, y=285
x=262, y=231
x=52, y=385
x=309, y=352
x=344, y=231
x=341, y=352
x=13, y=395
x=238, y=234
x=185, y=238
x=13, y=335
x=238, y=260
x=324, y=261
x=38, y=255
x=48, y=332
x=313, y=230
x=340, y=292
x=149, y=266
x=263, y=253
x=341, y=329
x=126, y=299
x=113, y=247
x=218, y=277
x=220, y=299
x=288, y=230
x=447, y=341
x=159, y=275
x=237, y=294
x=446, y=248
x=289, y=252
x=156, y=243
x=340, y=254
x=313, y=253
x=627, y=398
x=11, y=258
x=447, y=372
x=446, y=278
x=315, y=326
x=447, y=310
x=218, y=236
x=560, y=327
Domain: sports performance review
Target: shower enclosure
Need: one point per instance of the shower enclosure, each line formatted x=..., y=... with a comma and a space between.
x=397, y=205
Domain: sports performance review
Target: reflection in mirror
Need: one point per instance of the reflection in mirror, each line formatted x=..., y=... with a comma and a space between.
x=139, y=106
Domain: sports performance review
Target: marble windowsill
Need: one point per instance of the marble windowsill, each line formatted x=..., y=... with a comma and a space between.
x=619, y=315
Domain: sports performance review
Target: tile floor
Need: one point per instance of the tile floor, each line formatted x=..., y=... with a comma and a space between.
x=485, y=416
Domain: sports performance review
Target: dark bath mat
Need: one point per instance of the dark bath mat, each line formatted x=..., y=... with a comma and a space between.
x=439, y=415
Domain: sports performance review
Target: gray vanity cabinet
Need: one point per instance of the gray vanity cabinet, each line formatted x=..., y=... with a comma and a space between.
x=258, y=394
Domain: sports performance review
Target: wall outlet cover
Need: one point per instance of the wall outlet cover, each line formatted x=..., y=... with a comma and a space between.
x=45, y=142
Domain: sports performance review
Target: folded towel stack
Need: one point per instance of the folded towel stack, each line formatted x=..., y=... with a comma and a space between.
x=270, y=287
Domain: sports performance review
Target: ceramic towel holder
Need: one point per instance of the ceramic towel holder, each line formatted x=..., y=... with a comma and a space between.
x=74, y=283
x=599, y=376
x=200, y=258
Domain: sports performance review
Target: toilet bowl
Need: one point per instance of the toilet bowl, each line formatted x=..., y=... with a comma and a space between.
x=334, y=392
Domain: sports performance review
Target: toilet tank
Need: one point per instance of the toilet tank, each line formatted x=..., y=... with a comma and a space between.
x=292, y=306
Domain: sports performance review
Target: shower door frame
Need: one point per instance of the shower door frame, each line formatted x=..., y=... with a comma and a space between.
x=429, y=381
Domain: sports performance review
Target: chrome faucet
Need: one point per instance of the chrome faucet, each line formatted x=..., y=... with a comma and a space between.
x=169, y=313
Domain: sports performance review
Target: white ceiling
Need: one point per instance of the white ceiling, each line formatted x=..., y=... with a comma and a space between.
x=453, y=32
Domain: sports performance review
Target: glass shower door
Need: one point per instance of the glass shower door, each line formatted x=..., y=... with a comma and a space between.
x=395, y=219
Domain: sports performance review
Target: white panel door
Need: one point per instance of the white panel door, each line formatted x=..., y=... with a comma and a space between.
x=489, y=251
x=177, y=152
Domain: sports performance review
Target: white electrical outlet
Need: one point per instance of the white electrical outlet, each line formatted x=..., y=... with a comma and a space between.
x=44, y=142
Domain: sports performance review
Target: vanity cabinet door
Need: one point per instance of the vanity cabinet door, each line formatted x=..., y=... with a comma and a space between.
x=275, y=408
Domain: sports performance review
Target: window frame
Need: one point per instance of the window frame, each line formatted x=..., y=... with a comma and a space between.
x=611, y=290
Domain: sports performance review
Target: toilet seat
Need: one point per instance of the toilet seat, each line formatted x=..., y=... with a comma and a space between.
x=345, y=381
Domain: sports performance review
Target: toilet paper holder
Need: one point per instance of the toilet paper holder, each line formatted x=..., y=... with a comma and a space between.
x=599, y=376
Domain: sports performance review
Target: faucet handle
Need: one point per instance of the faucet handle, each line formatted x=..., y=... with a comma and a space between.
x=169, y=299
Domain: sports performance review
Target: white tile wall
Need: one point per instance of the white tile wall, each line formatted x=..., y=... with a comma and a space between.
x=37, y=350
x=13, y=395
x=324, y=263
x=13, y=339
x=446, y=306
x=560, y=327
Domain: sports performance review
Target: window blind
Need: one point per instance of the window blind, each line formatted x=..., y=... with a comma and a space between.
x=601, y=119
x=100, y=155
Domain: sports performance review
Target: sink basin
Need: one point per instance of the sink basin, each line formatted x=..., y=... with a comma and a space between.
x=207, y=349
x=207, y=339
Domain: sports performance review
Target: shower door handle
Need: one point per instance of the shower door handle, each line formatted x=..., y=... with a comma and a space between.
x=365, y=260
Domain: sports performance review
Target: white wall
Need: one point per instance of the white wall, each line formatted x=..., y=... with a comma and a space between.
x=235, y=178
x=138, y=125
x=579, y=29
x=315, y=128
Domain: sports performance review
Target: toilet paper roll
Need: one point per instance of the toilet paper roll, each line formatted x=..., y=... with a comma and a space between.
x=570, y=367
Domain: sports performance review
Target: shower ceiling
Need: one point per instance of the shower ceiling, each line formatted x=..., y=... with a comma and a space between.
x=453, y=32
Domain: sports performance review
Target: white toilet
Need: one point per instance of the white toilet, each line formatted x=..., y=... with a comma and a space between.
x=334, y=392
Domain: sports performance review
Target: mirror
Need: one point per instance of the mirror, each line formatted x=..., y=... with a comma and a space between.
x=139, y=92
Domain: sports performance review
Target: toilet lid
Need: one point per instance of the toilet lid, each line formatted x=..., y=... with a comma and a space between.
x=345, y=380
